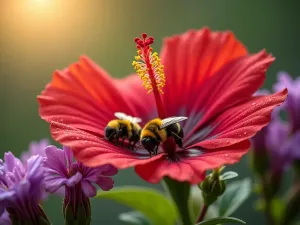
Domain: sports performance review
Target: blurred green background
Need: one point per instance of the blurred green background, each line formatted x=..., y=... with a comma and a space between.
x=39, y=36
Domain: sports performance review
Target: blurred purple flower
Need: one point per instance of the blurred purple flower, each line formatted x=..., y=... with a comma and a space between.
x=4, y=219
x=280, y=139
x=35, y=148
x=292, y=103
x=21, y=188
x=78, y=180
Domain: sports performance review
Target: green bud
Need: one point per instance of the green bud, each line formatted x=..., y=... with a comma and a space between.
x=79, y=214
x=212, y=187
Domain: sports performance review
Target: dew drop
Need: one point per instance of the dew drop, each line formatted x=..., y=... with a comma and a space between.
x=245, y=133
x=226, y=155
x=254, y=103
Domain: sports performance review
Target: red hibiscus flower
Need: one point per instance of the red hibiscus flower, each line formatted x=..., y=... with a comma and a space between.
x=207, y=76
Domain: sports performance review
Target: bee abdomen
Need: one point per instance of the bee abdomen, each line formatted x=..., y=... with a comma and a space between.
x=174, y=128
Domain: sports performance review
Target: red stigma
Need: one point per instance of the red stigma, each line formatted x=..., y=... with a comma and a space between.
x=145, y=41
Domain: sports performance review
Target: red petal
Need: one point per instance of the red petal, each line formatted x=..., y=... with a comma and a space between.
x=192, y=169
x=85, y=97
x=233, y=83
x=94, y=151
x=242, y=121
x=191, y=58
x=138, y=98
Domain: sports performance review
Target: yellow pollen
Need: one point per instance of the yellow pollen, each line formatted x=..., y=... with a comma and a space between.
x=157, y=70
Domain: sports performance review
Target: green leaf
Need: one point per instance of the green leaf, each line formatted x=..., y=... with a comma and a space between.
x=221, y=220
x=134, y=218
x=154, y=205
x=179, y=192
x=236, y=193
x=228, y=175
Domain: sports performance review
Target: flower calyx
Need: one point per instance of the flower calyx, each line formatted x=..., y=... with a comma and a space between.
x=212, y=187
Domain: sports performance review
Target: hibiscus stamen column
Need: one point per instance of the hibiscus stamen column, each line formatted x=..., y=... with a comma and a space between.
x=150, y=69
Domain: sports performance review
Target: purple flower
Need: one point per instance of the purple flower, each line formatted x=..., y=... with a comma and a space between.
x=4, y=219
x=283, y=147
x=35, y=148
x=292, y=103
x=21, y=188
x=78, y=180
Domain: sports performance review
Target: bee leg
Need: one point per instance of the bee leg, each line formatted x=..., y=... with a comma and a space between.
x=178, y=140
x=133, y=145
x=117, y=138
x=122, y=142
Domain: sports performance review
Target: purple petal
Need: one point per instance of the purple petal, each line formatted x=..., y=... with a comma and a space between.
x=4, y=219
x=74, y=179
x=68, y=155
x=88, y=189
x=277, y=134
x=35, y=169
x=6, y=194
x=290, y=149
x=105, y=183
x=56, y=160
x=53, y=183
x=35, y=148
x=10, y=161
x=60, y=191
x=108, y=170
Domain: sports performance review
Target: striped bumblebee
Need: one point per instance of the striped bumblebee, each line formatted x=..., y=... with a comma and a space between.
x=158, y=131
x=125, y=127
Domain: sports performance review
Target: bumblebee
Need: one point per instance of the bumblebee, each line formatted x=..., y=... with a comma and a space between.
x=125, y=127
x=158, y=131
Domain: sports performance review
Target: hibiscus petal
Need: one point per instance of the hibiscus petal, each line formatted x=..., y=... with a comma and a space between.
x=235, y=82
x=94, y=151
x=88, y=189
x=137, y=96
x=85, y=97
x=192, y=169
x=105, y=183
x=190, y=58
x=242, y=121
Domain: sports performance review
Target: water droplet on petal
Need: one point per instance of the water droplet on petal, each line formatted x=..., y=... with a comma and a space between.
x=226, y=155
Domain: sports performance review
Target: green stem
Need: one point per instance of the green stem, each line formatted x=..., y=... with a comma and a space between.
x=202, y=214
x=268, y=194
x=179, y=192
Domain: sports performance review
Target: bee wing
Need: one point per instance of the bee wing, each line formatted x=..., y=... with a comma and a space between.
x=171, y=120
x=124, y=116
x=136, y=120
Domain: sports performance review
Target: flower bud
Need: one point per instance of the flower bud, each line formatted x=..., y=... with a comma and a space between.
x=212, y=187
x=76, y=212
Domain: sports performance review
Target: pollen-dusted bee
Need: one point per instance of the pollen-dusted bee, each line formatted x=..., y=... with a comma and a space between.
x=158, y=131
x=125, y=127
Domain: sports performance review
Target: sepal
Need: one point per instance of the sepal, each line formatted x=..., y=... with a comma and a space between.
x=212, y=187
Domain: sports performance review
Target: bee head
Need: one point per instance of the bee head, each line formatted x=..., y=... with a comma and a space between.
x=110, y=133
x=149, y=143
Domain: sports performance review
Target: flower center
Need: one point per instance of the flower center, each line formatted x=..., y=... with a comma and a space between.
x=150, y=70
